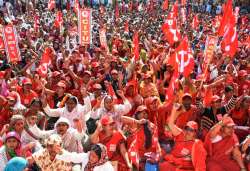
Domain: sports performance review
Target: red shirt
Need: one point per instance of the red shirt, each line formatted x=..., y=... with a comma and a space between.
x=27, y=98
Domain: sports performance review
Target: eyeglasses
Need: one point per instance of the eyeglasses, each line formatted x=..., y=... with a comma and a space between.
x=187, y=128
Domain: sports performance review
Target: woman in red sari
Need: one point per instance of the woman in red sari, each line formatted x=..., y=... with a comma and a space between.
x=222, y=146
x=145, y=133
x=188, y=153
x=114, y=141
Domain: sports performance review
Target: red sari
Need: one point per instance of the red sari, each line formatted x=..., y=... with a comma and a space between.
x=219, y=154
x=186, y=155
x=112, y=144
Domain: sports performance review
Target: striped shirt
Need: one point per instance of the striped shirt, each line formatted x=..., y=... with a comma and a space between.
x=208, y=118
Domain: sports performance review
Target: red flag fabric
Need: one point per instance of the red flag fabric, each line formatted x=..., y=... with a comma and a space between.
x=133, y=153
x=59, y=19
x=117, y=14
x=136, y=46
x=111, y=92
x=36, y=23
x=170, y=28
x=195, y=22
x=165, y=5
x=182, y=60
x=76, y=6
x=229, y=43
x=172, y=87
x=45, y=62
x=227, y=16
x=51, y=4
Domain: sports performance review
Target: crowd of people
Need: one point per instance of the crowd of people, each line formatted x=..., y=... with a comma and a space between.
x=98, y=108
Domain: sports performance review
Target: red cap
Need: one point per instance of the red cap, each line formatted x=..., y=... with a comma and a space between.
x=27, y=81
x=228, y=121
x=12, y=134
x=95, y=64
x=107, y=120
x=61, y=84
x=242, y=73
x=141, y=108
x=215, y=98
x=97, y=87
x=56, y=73
x=87, y=72
x=146, y=76
x=114, y=71
x=192, y=124
x=187, y=95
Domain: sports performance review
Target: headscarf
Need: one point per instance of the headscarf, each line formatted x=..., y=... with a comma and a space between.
x=10, y=152
x=103, y=159
x=16, y=164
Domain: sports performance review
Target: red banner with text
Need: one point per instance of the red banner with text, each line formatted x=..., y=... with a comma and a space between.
x=84, y=26
x=11, y=44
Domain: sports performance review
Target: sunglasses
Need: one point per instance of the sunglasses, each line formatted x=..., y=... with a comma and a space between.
x=187, y=128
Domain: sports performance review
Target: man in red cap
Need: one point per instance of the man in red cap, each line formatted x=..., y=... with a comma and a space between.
x=222, y=146
x=188, y=111
x=26, y=93
x=211, y=115
x=188, y=152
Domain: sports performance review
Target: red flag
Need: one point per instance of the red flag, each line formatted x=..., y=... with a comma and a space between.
x=59, y=19
x=133, y=153
x=170, y=28
x=227, y=15
x=117, y=15
x=45, y=62
x=136, y=46
x=182, y=60
x=126, y=26
x=103, y=39
x=51, y=4
x=76, y=6
x=165, y=5
x=173, y=86
x=229, y=43
x=111, y=92
x=36, y=22
x=195, y=22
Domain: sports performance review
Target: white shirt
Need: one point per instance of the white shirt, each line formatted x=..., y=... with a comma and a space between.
x=83, y=158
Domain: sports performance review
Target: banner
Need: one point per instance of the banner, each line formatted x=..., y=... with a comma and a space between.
x=103, y=39
x=1, y=39
x=84, y=26
x=11, y=44
x=208, y=53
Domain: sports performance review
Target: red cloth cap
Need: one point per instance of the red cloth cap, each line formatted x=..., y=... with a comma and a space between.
x=97, y=87
x=215, y=98
x=95, y=64
x=107, y=120
x=187, y=95
x=242, y=73
x=87, y=72
x=192, y=124
x=141, y=108
x=61, y=84
x=228, y=121
x=114, y=71
x=27, y=81
x=12, y=134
